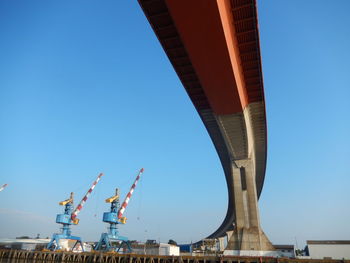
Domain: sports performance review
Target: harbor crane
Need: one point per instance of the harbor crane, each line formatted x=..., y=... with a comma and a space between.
x=3, y=187
x=68, y=218
x=115, y=217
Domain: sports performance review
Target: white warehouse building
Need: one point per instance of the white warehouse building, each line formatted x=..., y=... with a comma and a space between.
x=328, y=249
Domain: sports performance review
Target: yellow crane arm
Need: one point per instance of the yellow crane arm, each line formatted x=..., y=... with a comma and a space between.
x=111, y=199
x=70, y=200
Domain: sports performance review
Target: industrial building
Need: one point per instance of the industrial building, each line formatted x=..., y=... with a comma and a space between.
x=286, y=251
x=162, y=249
x=328, y=249
x=32, y=244
x=24, y=243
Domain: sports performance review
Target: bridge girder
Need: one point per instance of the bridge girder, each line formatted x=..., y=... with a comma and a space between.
x=214, y=49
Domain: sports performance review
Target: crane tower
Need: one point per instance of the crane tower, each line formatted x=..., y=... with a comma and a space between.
x=115, y=217
x=68, y=218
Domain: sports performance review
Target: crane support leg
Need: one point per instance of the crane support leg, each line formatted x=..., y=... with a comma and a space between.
x=105, y=243
x=54, y=244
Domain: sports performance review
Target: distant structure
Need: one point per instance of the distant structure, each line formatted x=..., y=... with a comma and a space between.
x=287, y=251
x=214, y=48
x=24, y=243
x=328, y=249
x=154, y=248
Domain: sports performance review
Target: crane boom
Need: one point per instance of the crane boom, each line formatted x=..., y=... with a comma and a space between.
x=128, y=196
x=82, y=202
x=3, y=187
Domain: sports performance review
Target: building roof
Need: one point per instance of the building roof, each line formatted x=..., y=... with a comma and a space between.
x=328, y=242
x=284, y=246
x=157, y=245
x=25, y=240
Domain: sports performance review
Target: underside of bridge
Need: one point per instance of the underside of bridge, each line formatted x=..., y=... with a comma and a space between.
x=213, y=46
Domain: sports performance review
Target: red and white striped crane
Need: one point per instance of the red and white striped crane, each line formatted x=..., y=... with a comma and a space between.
x=128, y=196
x=109, y=240
x=3, y=187
x=68, y=218
x=82, y=202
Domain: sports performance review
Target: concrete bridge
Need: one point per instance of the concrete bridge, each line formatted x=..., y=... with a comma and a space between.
x=214, y=48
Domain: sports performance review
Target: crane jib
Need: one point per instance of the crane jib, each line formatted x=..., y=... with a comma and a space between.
x=82, y=202
x=128, y=196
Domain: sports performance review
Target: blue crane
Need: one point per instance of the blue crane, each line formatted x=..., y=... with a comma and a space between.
x=68, y=218
x=113, y=218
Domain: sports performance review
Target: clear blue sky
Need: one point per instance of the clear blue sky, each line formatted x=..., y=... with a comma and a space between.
x=85, y=87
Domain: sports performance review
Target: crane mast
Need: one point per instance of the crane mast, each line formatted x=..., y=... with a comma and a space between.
x=69, y=218
x=115, y=217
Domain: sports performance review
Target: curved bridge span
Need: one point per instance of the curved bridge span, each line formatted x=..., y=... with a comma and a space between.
x=213, y=46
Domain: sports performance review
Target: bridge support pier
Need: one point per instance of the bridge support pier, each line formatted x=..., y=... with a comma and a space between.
x=247, y=238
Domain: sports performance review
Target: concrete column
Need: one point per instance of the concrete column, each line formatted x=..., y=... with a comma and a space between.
x=247, y=235
x=252, y=196
x=238, y=193
x=222, y=243
x=229, y=234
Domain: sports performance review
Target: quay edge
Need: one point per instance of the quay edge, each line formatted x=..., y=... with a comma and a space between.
x=98, y=257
